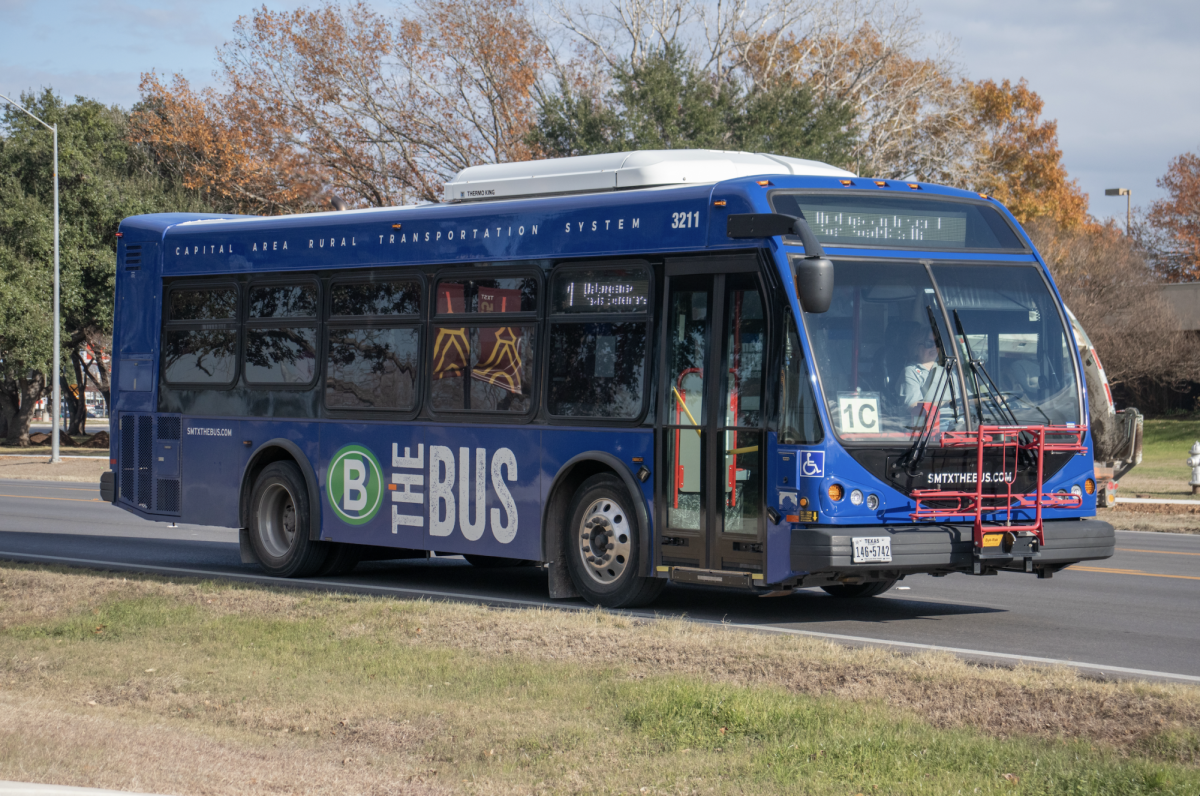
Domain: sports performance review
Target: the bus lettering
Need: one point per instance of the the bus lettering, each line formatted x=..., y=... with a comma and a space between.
x=504, y=533
x=354, y=484
x=637, y=223
x=472, y=530
x=441, y=491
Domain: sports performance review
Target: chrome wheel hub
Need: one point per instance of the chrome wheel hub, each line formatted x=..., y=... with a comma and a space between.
x=277, y=520
x=604, y=541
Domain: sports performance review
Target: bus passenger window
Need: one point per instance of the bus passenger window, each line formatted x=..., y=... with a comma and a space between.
x=197, y=347
x=198, y=356
x=372, y=368
x=281, y=356
x=484, y=367
x=597, y=364
x=278, y=353
x=371, y=361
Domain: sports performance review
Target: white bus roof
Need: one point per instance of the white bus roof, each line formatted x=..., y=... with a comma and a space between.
x=610, y=172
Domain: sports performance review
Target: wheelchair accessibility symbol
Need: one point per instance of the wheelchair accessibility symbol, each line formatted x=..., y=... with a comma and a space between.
x=812, y=464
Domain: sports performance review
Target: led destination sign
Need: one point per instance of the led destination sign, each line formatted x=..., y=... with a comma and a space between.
x=602, y=291
x=944, y=229
x=901, y=222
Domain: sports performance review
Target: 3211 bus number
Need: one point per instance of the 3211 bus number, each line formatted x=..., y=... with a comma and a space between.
x=685, y=220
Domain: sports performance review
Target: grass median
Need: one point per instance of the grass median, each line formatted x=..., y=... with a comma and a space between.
x=196, y=687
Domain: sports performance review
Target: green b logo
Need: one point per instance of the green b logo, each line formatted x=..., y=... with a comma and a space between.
x=355, y=484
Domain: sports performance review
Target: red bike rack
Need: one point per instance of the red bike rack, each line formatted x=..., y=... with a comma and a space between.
x=999, y=506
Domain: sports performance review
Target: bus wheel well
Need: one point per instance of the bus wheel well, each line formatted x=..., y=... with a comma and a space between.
x=558, y=504
x=265, y=455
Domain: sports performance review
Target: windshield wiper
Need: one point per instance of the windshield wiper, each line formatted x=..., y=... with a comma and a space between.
x=913, y=457
x=978, y=370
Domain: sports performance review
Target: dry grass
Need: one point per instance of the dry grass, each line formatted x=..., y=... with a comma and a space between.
x=37, y=468
x=1150, y=517
x=195, y=687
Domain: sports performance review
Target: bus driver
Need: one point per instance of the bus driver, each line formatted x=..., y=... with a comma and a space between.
x=922, y=378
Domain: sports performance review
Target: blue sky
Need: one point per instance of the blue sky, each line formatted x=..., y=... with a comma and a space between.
x=1120, y=77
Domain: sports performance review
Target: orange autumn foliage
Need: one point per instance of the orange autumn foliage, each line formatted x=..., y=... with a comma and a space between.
x=1176, y=220
x=341, y=100
x=1018, y=160
x=222, y=146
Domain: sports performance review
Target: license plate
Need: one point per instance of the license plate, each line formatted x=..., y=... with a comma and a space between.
x=872, y=549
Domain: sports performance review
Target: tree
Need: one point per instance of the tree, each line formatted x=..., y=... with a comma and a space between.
x=664, y=101
x=1105, y=279
x=102, y=180
x=342, y=99
x=1175, y=221
x=1017, y=159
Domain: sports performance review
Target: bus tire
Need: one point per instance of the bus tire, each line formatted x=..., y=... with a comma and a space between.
x=602, y=521
x=279, y=521
x=858, y=590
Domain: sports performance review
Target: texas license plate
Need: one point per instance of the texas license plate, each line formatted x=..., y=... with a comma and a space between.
x=872, y=549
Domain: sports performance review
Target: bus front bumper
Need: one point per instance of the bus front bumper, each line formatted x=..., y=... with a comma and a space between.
x=944, y=548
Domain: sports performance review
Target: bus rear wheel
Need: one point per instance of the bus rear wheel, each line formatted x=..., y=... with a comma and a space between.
x=602, y=546
x=856, y=590
x=279, y=521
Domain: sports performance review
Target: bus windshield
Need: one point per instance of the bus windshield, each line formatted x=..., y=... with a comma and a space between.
x=882, y=350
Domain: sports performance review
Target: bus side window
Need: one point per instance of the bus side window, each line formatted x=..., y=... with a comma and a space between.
x=374, y=345
x=281, y=334
x=598, y=337
x=484, y=363
x=800, y=424
x=200, y=341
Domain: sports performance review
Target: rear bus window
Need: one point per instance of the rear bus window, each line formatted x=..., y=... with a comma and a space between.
x=373, y=357
x=598, y=338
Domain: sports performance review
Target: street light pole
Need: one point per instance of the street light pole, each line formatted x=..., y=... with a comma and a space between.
x=1128, y=204
x=54, y=447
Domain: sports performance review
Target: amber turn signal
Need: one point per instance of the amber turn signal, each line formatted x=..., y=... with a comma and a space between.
x=803, y=500
x=1089, y=486
x=836, y=492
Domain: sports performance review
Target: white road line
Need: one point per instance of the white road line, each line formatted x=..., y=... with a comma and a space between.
x=1008, y=656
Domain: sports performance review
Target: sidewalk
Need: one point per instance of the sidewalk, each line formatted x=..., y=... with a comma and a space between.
x=29, y=789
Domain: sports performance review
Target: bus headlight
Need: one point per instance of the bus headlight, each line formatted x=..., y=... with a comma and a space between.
x=856, y=497
x=836, y=492
x=872, y=502
x=1077, y=491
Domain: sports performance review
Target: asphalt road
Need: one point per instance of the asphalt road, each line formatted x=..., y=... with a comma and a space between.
x=1134, y=615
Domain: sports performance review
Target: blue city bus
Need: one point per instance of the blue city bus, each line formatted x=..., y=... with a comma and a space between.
x=713, y=368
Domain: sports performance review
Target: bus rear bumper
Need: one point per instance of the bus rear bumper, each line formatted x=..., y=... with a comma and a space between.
x=948, y=548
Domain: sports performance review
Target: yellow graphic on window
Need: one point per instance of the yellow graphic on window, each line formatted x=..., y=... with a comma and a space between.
x=500, y=359
x=450, y=351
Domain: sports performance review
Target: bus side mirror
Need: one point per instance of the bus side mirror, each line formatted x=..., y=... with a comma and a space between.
x=814, y=283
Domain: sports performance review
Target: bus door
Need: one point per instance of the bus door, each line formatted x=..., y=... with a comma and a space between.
x=711, y=421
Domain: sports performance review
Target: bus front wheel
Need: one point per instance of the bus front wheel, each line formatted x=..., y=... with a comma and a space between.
x=602, y=546
x=852, y=590
x=279, y=521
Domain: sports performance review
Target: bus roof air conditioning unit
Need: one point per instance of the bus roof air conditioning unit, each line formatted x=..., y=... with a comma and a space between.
x=622, y=170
